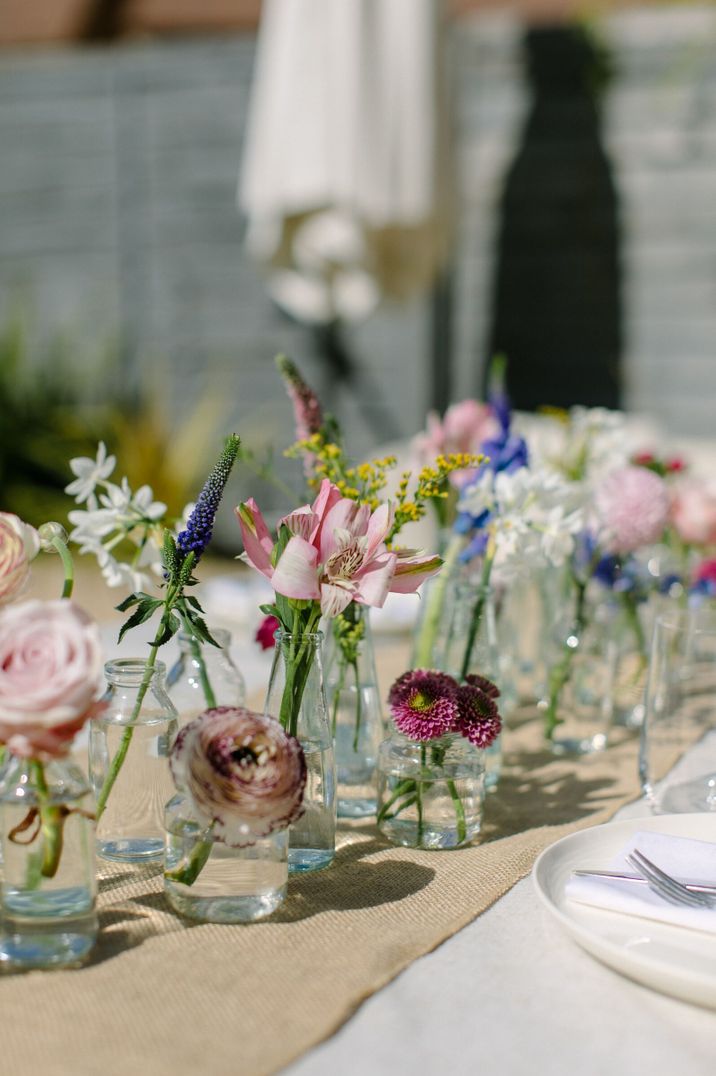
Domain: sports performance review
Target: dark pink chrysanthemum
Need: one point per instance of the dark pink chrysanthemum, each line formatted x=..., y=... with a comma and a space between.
x=424, y=704
x=479, y=720
x=485, y=685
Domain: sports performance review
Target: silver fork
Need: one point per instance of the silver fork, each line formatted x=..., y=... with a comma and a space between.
x=668, y=887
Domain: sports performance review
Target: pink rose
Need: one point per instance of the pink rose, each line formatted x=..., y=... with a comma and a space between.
x=464, y=427
x=19, y=543
x=693, y=512
x=50, y=666
x=632, y=506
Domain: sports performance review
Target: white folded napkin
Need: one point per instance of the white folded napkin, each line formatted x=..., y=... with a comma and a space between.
x=685, y=859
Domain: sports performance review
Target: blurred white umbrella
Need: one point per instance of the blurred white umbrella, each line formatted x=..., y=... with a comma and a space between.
x=346, y=178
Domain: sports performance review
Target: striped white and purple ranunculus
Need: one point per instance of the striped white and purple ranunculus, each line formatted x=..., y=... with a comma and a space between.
x=243, y=773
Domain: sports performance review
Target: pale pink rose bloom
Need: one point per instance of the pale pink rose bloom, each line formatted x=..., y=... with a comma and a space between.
x=50, y=667
x=632, y=505
x=693, y=513
x=19, y=544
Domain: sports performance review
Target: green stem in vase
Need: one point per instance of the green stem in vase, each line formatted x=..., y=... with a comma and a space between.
x=52, y=824
x=359, y=708
x=438, y=760
x=425, y=646
x=198, y=654
x=403, y=788
x=419, y=792
x=477, y=610
x=190, y=867
x=631, y=611
x=561, y=672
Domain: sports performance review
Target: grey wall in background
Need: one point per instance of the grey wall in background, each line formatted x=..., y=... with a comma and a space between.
x=117, y=201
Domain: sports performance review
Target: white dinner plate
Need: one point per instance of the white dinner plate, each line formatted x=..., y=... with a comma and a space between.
x=673, y=960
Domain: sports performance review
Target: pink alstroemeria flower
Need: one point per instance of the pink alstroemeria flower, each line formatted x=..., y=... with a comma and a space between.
x=337, y=553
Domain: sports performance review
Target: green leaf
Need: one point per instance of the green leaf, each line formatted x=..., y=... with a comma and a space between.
x=270, y=610
x=128, y=603
x=171, y=627
x=143, y=612
x=199, y=628
x=193, y=602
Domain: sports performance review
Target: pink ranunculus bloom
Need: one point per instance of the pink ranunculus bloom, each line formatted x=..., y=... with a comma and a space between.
x=19, y=543
x=242, y=772
x=693, y=513
x=50, y=667
x=337, y=553
x=632, y=505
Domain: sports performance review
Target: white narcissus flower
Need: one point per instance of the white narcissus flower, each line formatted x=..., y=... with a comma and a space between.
x=90, y=472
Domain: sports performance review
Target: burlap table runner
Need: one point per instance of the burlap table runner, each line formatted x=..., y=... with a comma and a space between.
x=163, y=997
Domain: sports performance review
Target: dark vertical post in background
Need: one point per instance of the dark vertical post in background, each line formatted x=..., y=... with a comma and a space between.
x=441, y=340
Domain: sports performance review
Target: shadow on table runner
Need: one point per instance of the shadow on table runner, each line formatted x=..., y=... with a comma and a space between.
x=165, y=996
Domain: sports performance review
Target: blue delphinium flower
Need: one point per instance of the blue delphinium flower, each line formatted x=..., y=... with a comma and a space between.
x=199, y=528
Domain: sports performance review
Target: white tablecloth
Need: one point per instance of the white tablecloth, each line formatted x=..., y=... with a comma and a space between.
x=513, y=994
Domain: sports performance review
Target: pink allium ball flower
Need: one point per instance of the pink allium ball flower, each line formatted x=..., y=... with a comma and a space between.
x=242, y=772
x=19, y=543
x=479, y=720
x=632, y=505
x=50, y=669
x=424, y=704
x=693, y=513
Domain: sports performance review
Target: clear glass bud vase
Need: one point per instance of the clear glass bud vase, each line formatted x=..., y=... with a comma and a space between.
x=354, y=708
x=210, y=881
x=297, y=698
x=48, y=865
x=204, y=676
x=467, y=642
x=430, y=795
x=578, y=704
x=129, y=749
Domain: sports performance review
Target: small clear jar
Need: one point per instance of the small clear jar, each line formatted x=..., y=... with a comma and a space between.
x=297, y=698
x=207, y=880
x=430, y=794
x=204, y=676
x=48, y=889
x=354, y=709
x=129, y=749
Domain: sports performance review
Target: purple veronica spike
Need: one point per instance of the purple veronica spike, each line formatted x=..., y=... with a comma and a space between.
x=242, y=771
x=200, y=525
x=424, y=704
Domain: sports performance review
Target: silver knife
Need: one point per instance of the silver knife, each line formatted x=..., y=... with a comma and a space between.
x=696, y=887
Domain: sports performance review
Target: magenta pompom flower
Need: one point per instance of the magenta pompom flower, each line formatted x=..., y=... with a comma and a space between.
x=479, y=720
x=424, y=704
x=485, y=685
x=243, y=773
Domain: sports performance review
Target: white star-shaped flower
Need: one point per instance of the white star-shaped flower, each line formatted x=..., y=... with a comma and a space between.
x=89, y=473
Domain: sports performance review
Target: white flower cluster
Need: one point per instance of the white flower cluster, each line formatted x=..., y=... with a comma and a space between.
x=534, y=515
x=582, y=446
x=121, y=528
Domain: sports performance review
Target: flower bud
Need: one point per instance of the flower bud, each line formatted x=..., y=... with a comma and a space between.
x=48, y=533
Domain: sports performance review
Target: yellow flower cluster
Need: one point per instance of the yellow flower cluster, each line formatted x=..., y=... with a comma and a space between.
x=432, y=485
x=366, y=481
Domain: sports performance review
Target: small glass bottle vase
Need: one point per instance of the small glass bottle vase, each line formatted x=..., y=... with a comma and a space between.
x=204, y=676
x=430, y=795
x=578, y=704
x=48, y=875
x=354, y=709
x=297, y=698
x=207, y=880
x=129, y=749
